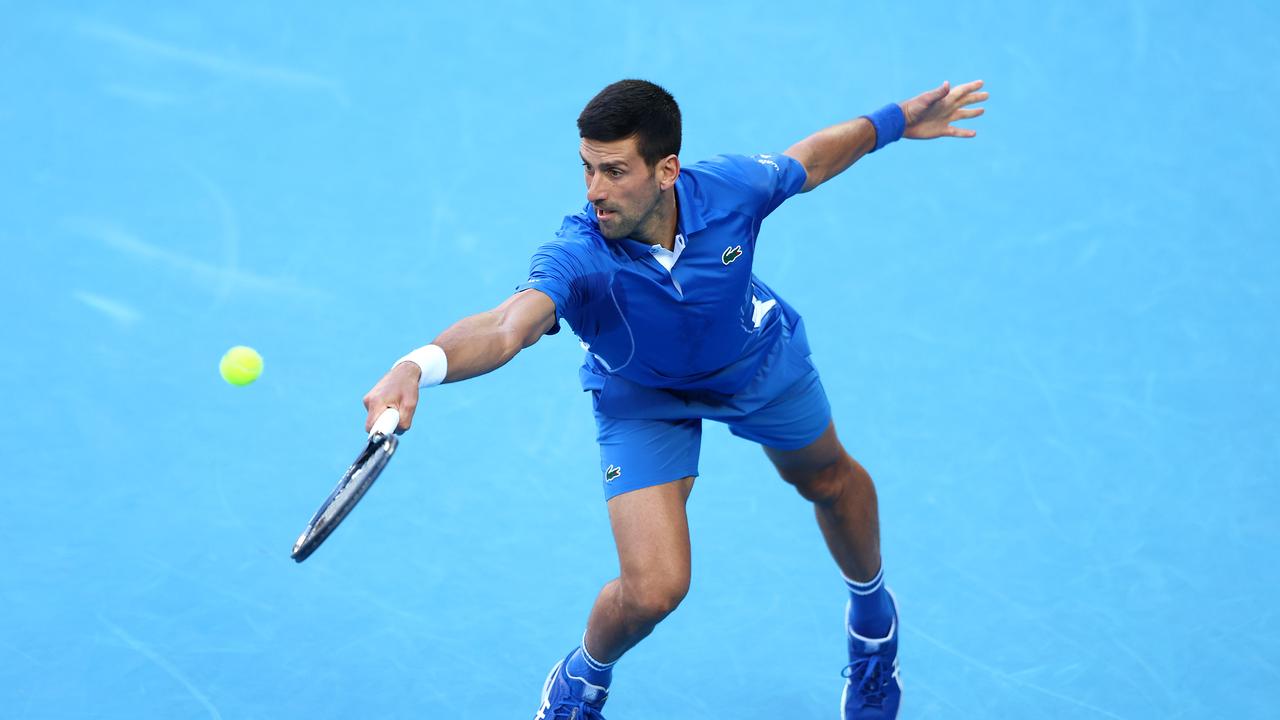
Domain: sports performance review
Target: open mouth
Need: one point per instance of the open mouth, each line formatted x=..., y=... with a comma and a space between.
x=604, y=214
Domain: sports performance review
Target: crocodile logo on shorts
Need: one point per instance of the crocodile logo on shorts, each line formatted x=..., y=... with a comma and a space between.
x=611, y=473
x=731, y=253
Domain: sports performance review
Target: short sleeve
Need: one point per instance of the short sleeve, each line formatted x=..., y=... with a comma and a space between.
x=766, y=180
x=557, y=270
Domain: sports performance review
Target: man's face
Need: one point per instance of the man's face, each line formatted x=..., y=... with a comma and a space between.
x=624, y=190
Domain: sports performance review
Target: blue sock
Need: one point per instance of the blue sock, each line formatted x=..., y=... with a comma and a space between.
x=870, y=608
x=581, y=664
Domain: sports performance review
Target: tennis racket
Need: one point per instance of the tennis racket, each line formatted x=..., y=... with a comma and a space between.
x=355, y=482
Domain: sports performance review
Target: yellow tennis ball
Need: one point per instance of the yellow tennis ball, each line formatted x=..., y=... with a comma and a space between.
x=241, y=365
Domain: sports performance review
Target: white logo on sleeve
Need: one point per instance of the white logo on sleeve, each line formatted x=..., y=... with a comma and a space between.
x=767, y=159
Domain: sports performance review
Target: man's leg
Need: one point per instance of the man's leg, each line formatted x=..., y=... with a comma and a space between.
x=651, y=532
x=844, y=500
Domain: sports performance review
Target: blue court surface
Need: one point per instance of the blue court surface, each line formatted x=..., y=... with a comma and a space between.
x=1054, y=346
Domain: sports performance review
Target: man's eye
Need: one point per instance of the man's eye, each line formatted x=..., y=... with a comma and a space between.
x=615, y=173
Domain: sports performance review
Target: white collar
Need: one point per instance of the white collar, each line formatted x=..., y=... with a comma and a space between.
x=667, y=257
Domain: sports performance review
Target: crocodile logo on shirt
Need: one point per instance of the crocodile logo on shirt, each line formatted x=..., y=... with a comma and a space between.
x=611, y=473
x=731, y=253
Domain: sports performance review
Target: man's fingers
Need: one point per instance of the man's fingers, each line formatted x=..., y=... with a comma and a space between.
x=961, y=132
x=967, y=88
x=977, y=97
x=965, y=114
x=406, y=417
x=928, y=98
x=374, y=411
x=939, y=92
x=926, y=102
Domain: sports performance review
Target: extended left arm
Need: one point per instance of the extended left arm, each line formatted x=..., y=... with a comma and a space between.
x=829, y=152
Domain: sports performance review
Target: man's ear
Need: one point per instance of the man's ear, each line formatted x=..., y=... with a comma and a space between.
x=667, y=170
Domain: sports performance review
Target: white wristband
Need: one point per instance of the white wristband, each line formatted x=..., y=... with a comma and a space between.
x=434, y=365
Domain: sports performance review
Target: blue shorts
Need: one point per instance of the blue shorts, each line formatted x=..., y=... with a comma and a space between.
x=649, y=436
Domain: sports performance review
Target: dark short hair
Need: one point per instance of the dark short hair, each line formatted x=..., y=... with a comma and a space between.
x=634, y=108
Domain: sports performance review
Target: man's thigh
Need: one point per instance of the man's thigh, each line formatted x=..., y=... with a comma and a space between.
x=651, y=531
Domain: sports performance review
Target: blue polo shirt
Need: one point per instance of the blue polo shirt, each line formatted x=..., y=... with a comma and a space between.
x=707, y=323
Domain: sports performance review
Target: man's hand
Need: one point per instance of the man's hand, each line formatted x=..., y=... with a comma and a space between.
x=397, y=389
x=929, y=115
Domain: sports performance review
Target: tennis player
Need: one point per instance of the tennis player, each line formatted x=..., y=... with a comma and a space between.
x=654, y=275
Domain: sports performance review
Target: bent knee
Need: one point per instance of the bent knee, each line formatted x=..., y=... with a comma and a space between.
x=652, y=599
x=826, y=484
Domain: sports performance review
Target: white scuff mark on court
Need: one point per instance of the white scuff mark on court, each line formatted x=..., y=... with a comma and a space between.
x=166, y=571
x=1047, y=393
x=1026, y=612
x=940, y=697
x=426, y=626
x=1007, y=677
x=21, y=653
x=220, y=278
x=159, y=661
x=142, y=96
x=1086, y=253
x=230, y=232
x=1037, y=500
x=1029, y=61
x=1262, y=662
x=114, y=309
x=1170, y=698
x=216, y=64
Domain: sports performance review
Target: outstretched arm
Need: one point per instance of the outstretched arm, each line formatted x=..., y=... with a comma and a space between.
x=829, y=152
x=472, y=346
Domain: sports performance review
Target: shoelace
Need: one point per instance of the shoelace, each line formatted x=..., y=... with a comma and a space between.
x=580, y=711
x=867, y=675
x=573, y=709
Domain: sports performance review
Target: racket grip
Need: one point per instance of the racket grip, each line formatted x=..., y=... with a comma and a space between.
x=386, y=422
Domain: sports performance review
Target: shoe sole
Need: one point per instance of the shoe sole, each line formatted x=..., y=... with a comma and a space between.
x=546, y=692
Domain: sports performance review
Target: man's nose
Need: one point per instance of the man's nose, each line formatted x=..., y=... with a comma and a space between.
x=595, y=189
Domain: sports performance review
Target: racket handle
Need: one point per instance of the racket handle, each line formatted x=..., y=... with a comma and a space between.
x=386, y=422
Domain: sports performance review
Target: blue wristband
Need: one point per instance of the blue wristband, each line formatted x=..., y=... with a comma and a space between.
x=889, y=123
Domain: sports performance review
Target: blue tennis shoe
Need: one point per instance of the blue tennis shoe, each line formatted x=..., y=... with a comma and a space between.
x=565, y=697
x=872, y=689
